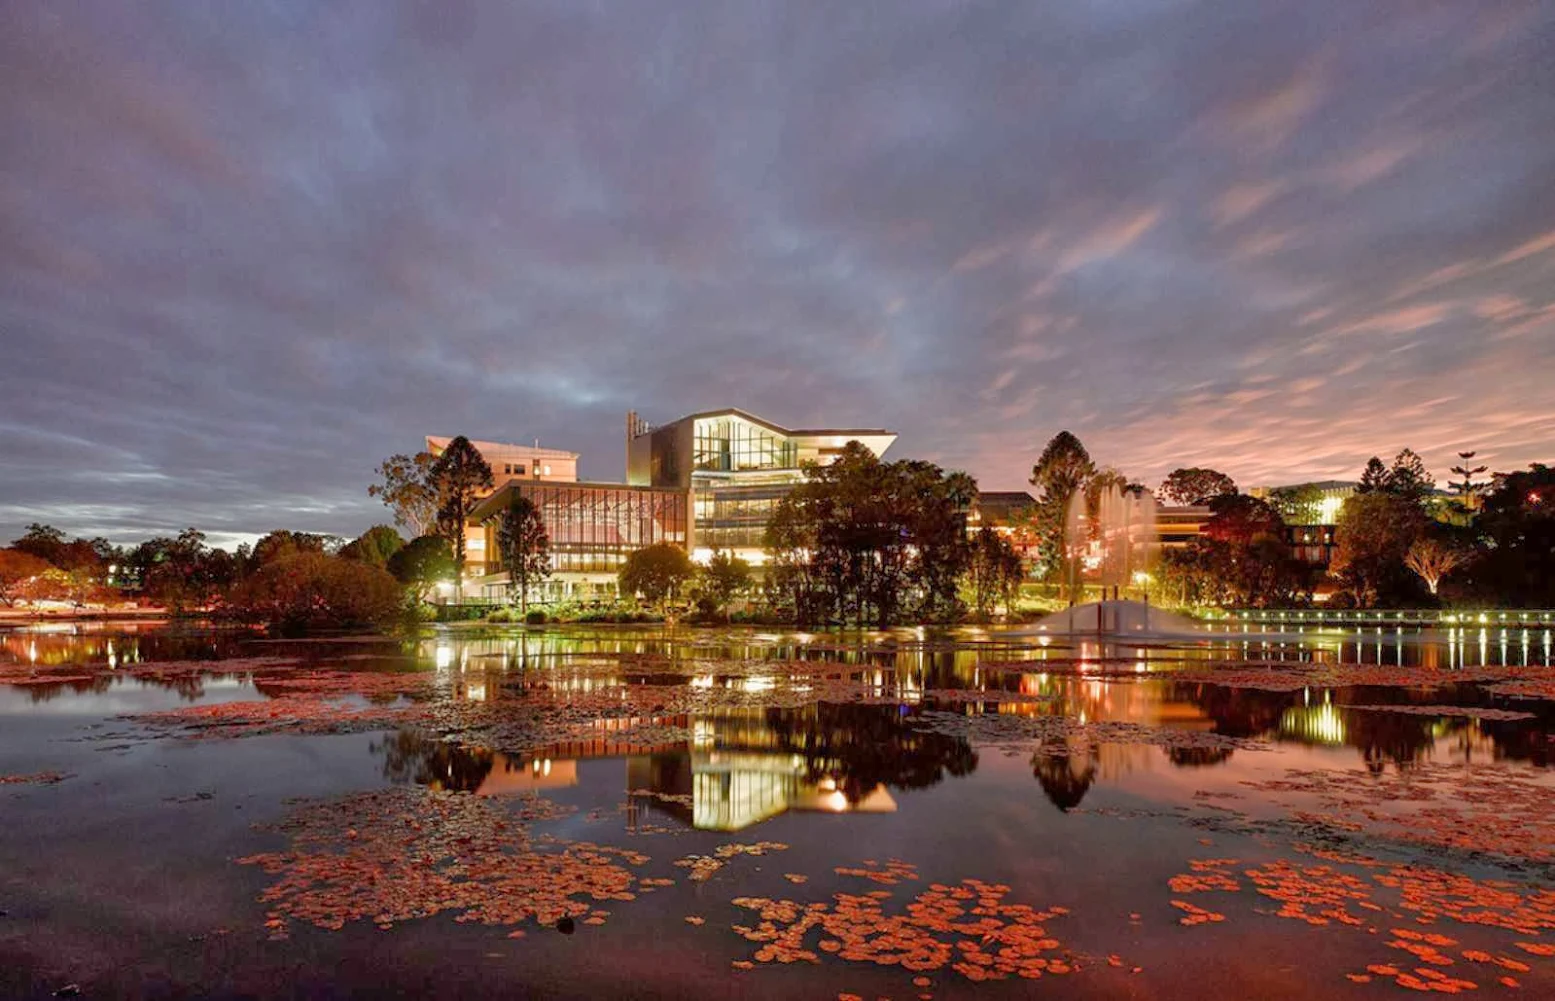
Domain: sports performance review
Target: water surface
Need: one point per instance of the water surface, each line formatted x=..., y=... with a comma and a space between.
x=708, y=812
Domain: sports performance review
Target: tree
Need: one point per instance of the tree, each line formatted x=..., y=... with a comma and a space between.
x=1373, y=478
x=49, y=544
x=43, y=541
x=282, y=543
x=1516, y=564
x=1374, y=533
x=861, y=538
x=183, y=572
x=373, y=546
x=1193, y=486
x=725, y=578
x=461, y=475
x=656, y=572
x=1298, y=505
x=1433, y=558
x=994, y=571
x=1241, y=557
x=1408, y=477
x=1242, y=520
x=19, y=570
x=307, y=591
x=407, y=490
x=1063, y=469
x=1466, y=486
x=524, y=547
x=422, y=563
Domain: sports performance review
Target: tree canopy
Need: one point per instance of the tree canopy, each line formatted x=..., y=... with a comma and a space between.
x=1063, y=469
x=460, y=475
x=524, y=546
x=656, y=572
x=1194, y=486
x=724, y=579
x=19, y=570
x=865, y=541
x=406, y=488
x=373, y=546
x=1374, y=533
x=423, y=563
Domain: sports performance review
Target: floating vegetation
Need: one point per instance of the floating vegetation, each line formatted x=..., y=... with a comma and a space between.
x=703, y=866
x=401, y=854
x=1491, y=809
x=967, y=928
x=36, y=779
x=1372, y=900
x=1471, y=712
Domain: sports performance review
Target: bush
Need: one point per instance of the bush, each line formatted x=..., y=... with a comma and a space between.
x=501, y=616
x=535, y=617
x=310, y=591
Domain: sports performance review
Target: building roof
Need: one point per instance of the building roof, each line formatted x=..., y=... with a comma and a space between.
x=778, y=428
x=436, y=444
x=1317, y=485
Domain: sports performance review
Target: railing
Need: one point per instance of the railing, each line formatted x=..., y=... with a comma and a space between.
x=1511, y=618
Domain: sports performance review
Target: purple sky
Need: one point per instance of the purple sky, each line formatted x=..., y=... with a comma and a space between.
x=249, y=249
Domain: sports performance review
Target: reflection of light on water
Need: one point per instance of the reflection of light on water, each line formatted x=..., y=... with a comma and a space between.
x=702, y=681
x=702, y=732
x=758, y=684
x=1320, y=724
x=475, y=691
x=444, y=657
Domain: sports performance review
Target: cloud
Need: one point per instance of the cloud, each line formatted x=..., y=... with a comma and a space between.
x=247, y=253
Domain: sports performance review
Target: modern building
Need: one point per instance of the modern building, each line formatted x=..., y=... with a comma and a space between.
x=735, y=467
x=508, y=463
x=593, y=527
x=705, y=482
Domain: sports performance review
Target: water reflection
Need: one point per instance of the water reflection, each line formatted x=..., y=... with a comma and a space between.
x=745, y=764
x=741, y=767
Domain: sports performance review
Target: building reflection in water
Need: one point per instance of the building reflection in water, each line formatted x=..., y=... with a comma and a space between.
x=742, y=767
x=745, y=765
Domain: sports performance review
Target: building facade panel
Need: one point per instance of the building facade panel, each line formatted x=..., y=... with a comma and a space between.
x=593, y=527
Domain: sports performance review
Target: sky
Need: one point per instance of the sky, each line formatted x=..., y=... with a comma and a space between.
x=248, y=250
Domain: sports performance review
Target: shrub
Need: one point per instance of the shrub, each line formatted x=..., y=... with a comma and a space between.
x=535, y=617
x=311, y=591
x=501, y=616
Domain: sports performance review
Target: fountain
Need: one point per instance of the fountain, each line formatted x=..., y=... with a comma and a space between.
x=1110, y=539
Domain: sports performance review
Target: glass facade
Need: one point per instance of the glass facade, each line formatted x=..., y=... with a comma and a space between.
x=736, y=517
x=594, y=527
x=731, y=444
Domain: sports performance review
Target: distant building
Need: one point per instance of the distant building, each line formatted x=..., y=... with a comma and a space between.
x=508, y=462
x=1176, y=526
x=1310, y=510
x=518, y=461
x=736, y=467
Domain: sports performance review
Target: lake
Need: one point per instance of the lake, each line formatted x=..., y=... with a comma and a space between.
x=595, y=811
